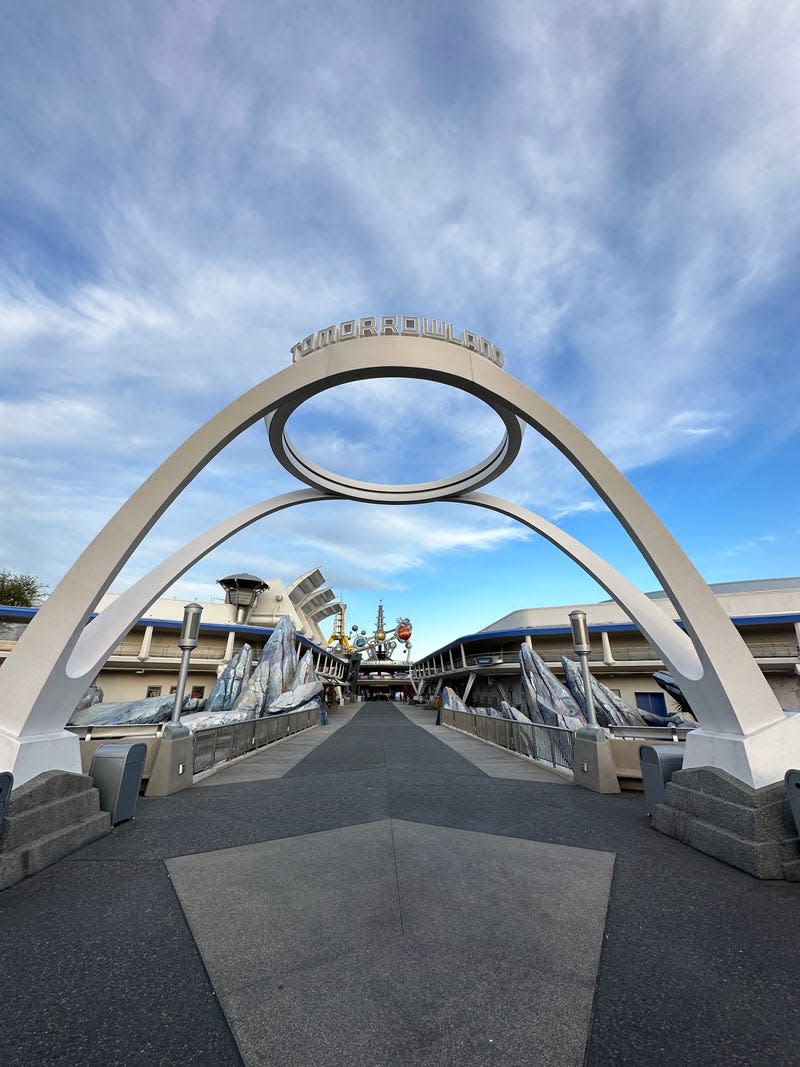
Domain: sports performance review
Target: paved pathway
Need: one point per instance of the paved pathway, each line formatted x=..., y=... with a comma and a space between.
x=382, y=892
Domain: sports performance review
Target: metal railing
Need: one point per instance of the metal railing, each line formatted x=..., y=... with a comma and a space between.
x=133, y=649
x=773, y=650
x=552, y=744
x=650, y=733
x=220, y=744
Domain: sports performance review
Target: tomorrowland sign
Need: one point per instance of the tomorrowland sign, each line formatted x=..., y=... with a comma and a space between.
x=396, y=326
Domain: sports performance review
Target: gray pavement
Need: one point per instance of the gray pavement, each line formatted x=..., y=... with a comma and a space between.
x=382, y=892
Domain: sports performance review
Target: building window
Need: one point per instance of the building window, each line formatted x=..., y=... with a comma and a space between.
x=173, y=689
x=654, y=702
x=616, y=692
x=198, y=692
x=153, y=691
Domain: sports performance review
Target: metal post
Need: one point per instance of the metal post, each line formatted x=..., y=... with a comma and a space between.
x=186, y=642
x=580, y=642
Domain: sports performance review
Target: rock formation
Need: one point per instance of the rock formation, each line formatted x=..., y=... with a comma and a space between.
x=281, y=682
x=544, y=698
x=228, y=686
x=609, y=709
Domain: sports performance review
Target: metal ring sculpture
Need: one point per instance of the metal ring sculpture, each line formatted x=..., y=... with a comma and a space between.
x=373, y=493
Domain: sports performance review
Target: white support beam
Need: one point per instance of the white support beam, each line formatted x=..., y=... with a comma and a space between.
x=468, y=687
x=147, y=638
x=606, y=643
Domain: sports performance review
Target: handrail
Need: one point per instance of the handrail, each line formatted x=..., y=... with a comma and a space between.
x=651, y=733
x=220, y=744
x=551, y=744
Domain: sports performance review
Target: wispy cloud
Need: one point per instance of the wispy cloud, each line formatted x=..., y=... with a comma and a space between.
x=753, y=544
x=608, y=193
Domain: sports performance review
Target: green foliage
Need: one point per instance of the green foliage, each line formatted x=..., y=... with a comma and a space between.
x=20, y=590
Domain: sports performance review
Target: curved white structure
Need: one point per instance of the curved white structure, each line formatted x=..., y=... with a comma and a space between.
x=743, y=729
x=303, y=468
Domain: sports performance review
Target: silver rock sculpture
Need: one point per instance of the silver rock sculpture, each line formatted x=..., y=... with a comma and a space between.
x=204, y=720
x=281, y=682
x=277, y=665
x=132, y=712
x=508, y=711
x=683, y=717
x=296, y=698
x=93, y=695
x=522, y=738
x=608, y=707
x=228, y=686
x=253, y=696
x=451, y=700
x=544, y=698
x=305, y=671
x=280, y=654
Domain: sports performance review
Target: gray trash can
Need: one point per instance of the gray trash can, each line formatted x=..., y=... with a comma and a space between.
x=117, y=772
x=793, y=789
x=6, y=785
x=658, y=763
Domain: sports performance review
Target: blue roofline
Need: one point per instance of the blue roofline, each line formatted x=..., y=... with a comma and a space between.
x=597, y=628
x=8, y=612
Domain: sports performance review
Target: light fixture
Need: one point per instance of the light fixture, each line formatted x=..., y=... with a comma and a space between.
x=580, y=642
x=190, y=633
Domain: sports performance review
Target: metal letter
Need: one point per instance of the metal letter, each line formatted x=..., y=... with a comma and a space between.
x=430, y=329
x=328, y=336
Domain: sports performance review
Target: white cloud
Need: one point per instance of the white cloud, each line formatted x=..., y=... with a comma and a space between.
x=608, y=194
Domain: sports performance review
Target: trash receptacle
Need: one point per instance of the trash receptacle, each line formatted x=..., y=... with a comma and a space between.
x=793, y=789
x=6, y=785
x=658, y=764
x=117, y=772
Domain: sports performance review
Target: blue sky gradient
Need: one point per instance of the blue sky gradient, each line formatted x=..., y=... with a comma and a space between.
x=607, y=192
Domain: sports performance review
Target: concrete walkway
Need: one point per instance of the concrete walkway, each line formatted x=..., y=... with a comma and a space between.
x=382, y=891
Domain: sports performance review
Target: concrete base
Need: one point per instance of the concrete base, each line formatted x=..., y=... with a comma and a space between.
x=172, y=770
x=46, y=819
x=26, y=757
x=752, y=829
x=759, y=758
x=593, y=762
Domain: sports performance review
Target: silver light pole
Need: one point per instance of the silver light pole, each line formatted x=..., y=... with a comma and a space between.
x=186, y=642
x=580, y=642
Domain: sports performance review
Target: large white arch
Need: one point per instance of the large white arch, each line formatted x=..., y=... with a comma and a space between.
x=743, y=729
x=97, y=640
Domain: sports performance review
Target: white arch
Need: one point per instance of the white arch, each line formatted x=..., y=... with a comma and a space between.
x=96, y=641
x=672, y=642
x=744, y=731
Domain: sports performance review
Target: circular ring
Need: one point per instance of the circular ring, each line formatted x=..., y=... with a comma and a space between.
x=373, y=492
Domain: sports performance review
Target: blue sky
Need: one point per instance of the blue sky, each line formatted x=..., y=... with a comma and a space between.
x=610, y=193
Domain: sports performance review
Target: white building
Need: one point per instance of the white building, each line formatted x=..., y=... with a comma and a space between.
x=485, y=665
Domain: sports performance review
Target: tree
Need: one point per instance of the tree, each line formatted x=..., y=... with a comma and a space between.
x=20, y=590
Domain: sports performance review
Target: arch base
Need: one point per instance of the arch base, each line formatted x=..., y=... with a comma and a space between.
x=26, y=757
x=758, y=759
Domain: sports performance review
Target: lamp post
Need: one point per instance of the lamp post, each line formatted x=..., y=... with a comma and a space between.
x=580, y=642
x=186, y=642
x=593, y=760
